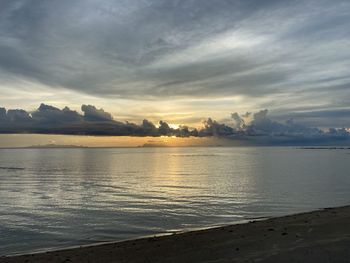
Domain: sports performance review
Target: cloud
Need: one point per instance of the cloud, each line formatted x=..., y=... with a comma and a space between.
x=148, y=127
x=51, y=120
x=18, y=116
x=261, y=124
x=181, y=48
x=213, y=128
x=277, y=54
x=251, y=128
x=322, y=118
x=93, y=114
x=238, y=121
x=2, y=114
x=47, y=114
x=258, y=129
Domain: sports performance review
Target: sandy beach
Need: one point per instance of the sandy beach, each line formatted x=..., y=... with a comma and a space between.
x=319, y=236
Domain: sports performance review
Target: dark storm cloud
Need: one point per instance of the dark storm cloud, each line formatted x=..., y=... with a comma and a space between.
x=251, y=128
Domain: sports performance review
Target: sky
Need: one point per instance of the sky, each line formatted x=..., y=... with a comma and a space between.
x=180, y=61
x=53, y=141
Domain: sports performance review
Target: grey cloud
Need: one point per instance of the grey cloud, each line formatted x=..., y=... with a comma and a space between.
x=93, y=114
x=2, y=113
x=148, y=127
x=158, y=49
x=250, y=128
x=213, y=128
x=262, y=125
x=264, y=131
x=51, y=115
x=322, y=118
x=18, y=116
x=51, y=120
x=261, y=130
x=216, y=77
x=238, y=120
x=164, y=128
x=53, y=43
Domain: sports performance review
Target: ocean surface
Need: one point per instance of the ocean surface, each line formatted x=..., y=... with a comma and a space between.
x=55, y=198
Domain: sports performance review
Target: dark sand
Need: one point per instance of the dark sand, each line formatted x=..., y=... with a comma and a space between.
x=320, y=236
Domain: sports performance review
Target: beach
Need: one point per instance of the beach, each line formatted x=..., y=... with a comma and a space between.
x=318, y=236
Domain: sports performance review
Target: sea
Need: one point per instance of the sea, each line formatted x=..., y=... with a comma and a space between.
x=58, y=198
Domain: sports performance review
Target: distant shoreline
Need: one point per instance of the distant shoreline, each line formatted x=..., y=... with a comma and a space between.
x=318, y=236
x=172, y=146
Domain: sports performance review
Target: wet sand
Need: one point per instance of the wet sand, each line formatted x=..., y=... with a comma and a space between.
x=319, y=236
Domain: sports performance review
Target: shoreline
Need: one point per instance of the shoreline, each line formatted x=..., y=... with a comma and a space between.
x=157, y=235
x=317, y=236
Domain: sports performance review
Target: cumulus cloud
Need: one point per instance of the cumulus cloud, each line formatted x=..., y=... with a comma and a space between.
x=213, y=128
x=148, y=127
x=262, y=125
x=51, y=120
x=258, y=129
x=164, y=128
x=93, y=114
x=18, y=116
x=47, y=114
x=250, y=128
x=238, y=121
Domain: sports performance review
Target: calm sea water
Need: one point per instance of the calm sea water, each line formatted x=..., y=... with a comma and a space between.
x=54, y=198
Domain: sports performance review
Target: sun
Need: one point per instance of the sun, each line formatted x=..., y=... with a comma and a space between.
x=174, y=126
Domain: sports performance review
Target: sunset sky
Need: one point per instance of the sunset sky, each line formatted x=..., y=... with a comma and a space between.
x=180, y=61
x=177, y=61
